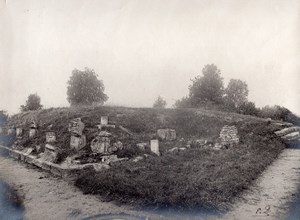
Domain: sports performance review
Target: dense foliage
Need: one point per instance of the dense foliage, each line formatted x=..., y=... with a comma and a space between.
x=84, y=88
x=208, y=87
x=33, y=103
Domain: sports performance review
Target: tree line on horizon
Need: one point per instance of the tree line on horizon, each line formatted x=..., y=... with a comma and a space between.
x=206, y=91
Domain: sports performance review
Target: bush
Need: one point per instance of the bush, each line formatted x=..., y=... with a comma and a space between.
x=33, y=103
x=279, y=113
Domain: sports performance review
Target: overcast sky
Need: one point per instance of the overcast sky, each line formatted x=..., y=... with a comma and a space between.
x=145, y=48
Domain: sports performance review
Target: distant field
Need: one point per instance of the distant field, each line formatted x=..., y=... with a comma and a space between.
x=195, y=178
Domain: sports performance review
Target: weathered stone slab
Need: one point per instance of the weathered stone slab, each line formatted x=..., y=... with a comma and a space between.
x=19, y=132
x=100, y=144
x=100, y=127
x=28, y=151
x=104, y=120
x=292, y=136
x=286, y=131
x=154, y=146
x=76, y=126
x=50, y=137
x=138, y=158
x=50, y=154
x=78, y=143
x=32, y=132
x=166, y=134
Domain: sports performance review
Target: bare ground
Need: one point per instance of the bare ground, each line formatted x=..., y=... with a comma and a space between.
x=269, y=196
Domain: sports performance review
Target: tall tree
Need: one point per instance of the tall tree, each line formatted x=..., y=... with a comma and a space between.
x=159, y=103
x=33, y=103
x=236, y=93
x=85, y=88
x=208, y=87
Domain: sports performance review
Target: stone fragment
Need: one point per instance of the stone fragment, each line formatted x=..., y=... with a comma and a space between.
x=50, y=153
x=100, y=166
x=142, y=146
x=292, y=136
x=154, y=146
x=166, y=134
x=286, y=131
x=50, y=137
x=104, y=120
x=19, y=132
x=218, y=146
x=100, y=127
x=76, y=126
x=108, y=159
x=78, y=143
x=28, y=151
x=101, y=143
x=138, y=158
x=32, y=132
x=118, y=145
x=38, y=149
x=11, y=131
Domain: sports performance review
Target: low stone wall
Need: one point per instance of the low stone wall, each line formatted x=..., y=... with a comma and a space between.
x=63, y=171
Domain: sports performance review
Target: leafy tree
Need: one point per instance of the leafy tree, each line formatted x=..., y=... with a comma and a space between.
x=236, y=93
x=159, y=103
x=85, y=88
x=208, y=87
x=33, y=103
x=248, y=108
x=185, y=102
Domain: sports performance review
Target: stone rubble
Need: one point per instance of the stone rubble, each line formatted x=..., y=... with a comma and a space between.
x=166, y=134
x=229, y=135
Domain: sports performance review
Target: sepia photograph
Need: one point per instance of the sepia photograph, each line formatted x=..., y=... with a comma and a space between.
x=149, y=109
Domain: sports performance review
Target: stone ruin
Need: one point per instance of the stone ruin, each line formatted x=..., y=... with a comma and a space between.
x=166, y=134
x=154, y=146
x=102, y=143
x=32, y=129
x=78, y=139
x=50, y=154
x=104, y=123
x=19, y=133
x=229, y=136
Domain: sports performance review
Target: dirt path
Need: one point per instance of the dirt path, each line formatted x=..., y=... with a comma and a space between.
x=270, y=194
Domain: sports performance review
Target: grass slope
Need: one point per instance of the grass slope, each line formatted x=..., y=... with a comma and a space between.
x=196, y=178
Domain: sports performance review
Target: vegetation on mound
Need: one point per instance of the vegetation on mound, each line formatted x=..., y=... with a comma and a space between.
x=142, y=123
x=191, y=179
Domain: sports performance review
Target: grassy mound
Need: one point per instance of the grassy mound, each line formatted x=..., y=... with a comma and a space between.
x=195, y=178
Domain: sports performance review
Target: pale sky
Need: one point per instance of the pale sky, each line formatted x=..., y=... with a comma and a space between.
x=145, y=48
